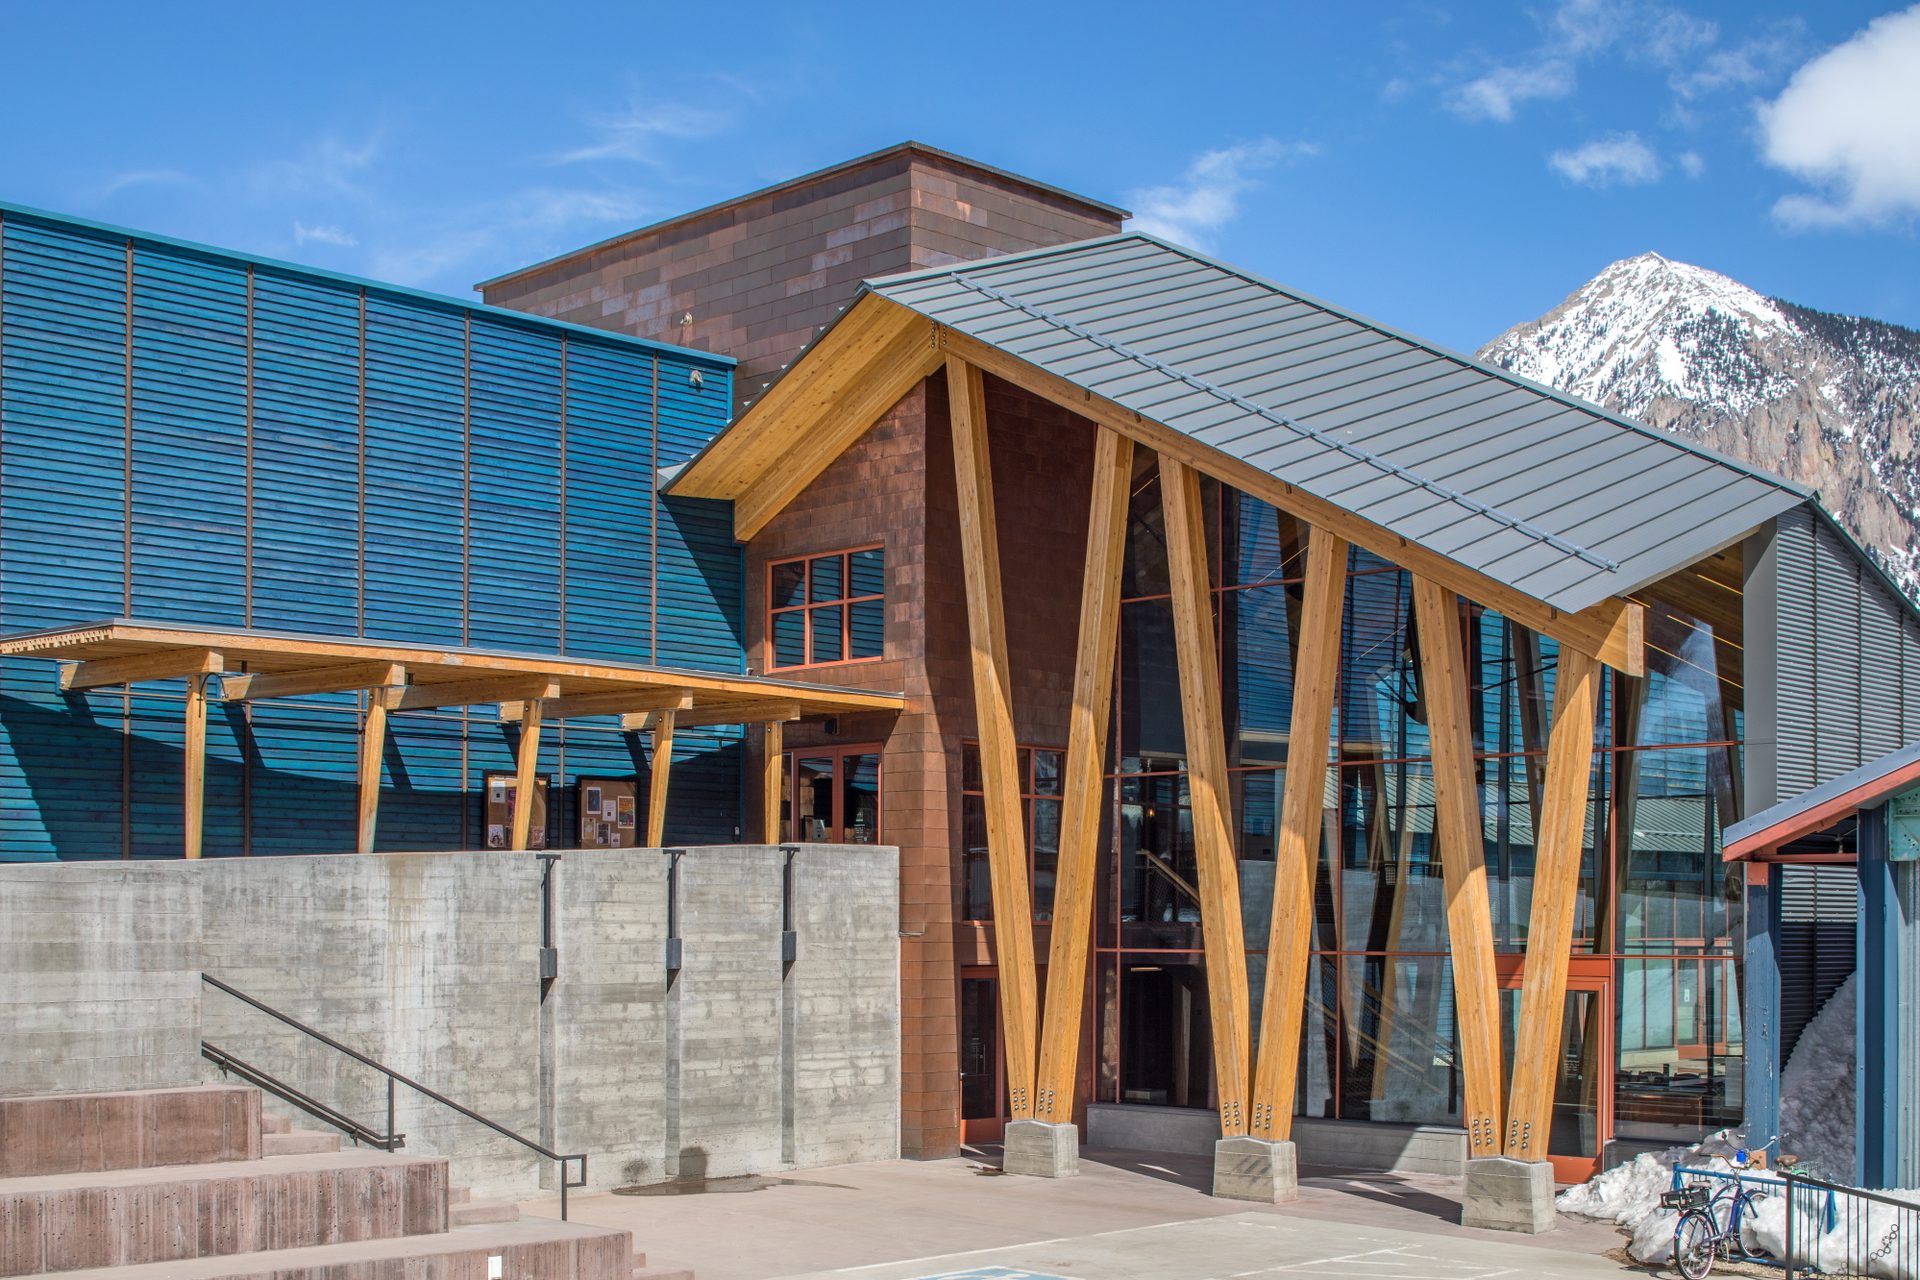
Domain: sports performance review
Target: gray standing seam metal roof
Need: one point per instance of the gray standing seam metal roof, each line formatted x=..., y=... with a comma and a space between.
x=1533, y=488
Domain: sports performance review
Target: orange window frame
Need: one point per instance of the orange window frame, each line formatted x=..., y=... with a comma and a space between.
x=808, y=607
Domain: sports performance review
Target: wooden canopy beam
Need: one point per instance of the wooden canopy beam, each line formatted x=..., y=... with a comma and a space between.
x=1457, y=830
x=1078, y=867
x=1560, y=830
x=1614, y=631
x=526, y=767
x=624, y=702
x=1222, y=931
x=715, y=713
x=1297, y=851
x=467, y=693
x=993, y=713
x=99, y=673
x=659, y=769
x=294, y=684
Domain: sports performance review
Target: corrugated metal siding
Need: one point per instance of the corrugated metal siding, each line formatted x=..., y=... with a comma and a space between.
x=281, y=430
x=1818, y=910
x=1848, y=653
x=1531, y=488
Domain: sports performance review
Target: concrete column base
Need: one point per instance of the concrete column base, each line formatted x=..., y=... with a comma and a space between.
x=1040, y=1149
x=1255, y=1169
x=1503, y=1194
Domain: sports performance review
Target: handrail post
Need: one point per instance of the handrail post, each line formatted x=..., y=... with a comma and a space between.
x=389, y=1113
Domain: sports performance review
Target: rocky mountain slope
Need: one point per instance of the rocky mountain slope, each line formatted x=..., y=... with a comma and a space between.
x=1830, y=401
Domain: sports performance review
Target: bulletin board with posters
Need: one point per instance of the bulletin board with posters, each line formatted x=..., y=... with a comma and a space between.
x=501, y=796
x=609, y=812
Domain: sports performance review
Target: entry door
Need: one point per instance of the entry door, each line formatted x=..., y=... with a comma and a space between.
x=835, y=795
x=983, y=1081
x=1582, y=1071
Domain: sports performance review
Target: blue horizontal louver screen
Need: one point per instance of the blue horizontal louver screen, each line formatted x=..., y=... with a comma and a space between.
x=198, y=439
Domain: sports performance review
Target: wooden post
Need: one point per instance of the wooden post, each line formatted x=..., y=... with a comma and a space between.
x=1457, y=830
x=373, y=743
x=772, y=782
x=993, y=710
x=194, y=751
x=1085, y=772
x=658, y=771
x=1297, y=851
x=524, y=769
x=1221, y=929
x=1560, y=828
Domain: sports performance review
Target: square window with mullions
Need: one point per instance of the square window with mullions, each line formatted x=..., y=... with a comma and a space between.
x=827, y=608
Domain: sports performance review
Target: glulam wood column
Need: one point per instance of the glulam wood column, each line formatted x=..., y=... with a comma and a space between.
x=659, y=771
x=993, y=712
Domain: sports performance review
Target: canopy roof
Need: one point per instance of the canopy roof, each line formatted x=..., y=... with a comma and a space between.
x=286, y=664
x=1762, y=837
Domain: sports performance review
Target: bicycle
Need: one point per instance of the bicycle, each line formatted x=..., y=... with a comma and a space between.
x=1703, y=1235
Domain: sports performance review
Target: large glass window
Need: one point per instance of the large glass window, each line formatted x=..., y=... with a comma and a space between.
x=827, y=608
x=1040, y=799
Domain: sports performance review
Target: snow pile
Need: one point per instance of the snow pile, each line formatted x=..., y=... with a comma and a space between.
x=1629, y=1194
x=1867, y=1239
x=1816, y=1091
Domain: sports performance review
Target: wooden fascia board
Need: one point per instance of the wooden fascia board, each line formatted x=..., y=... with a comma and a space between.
x=292, y=684
x=1614, y=631
x=796, y=403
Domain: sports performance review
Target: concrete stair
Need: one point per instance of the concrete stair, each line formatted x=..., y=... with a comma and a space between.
x=198, y=1184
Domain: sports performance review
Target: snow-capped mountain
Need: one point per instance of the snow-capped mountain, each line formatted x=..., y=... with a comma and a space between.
x=1830, y=401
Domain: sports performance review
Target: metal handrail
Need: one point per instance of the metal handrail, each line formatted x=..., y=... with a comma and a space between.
x=391, y=1139
x=230, y=1064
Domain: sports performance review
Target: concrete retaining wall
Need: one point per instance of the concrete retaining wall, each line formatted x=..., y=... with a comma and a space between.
x=430, y=963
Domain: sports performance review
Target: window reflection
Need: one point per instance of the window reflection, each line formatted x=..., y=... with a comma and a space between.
x=1403, y=1061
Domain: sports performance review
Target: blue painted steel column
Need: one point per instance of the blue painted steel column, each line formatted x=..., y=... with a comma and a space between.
x=1876, y=1040
x=1760, y=1016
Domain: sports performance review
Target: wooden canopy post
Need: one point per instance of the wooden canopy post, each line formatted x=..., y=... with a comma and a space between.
x=1222, y=931
x=525, y=766
x=1316, y=671
x=1082, y=783
x=993, y=710
x=772, y=781
x=1457, y=830
x=1560, y=825
x=659, y=769
x=194, y=751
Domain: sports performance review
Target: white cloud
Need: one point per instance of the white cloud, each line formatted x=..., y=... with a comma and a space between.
x=329, y=166
x=323, y=233
x=1690, y=163
x=510, y=232
x=1494, y=96
x=1746, y=65
x=1848, y=124
x=1621, y=159
x=637, y=132
x=1207, y=196
x=132, y=178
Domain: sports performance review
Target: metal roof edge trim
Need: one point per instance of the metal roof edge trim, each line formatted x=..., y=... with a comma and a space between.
x=11, y=209
x=1745, y=831
x=1467, y=362
x=813, y=175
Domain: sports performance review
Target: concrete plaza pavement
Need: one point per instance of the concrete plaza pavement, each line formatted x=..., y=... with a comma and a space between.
x=1128, y=1216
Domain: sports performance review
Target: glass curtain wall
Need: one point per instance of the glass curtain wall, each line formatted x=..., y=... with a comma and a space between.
x=1380, y=1040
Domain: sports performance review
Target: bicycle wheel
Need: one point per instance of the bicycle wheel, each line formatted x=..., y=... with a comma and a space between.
x=1694, y=1239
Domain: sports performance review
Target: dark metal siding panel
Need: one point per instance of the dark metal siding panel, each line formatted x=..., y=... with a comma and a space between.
x=1836, y=626
x=304, y=776
x=189, y=439
x=514, y=597
x=1818, y=910
x=415, y=491
x=306, y=465
x=1797, y=661
x=610, y=499
x=62, y=529
x=423, y=802
x=1882, y=627
x=701, y=576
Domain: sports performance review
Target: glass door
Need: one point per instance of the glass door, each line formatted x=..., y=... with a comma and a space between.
x=983, y=1085
x=834, y=795
x=1582, y=1070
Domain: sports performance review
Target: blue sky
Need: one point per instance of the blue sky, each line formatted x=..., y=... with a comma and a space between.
x=1448, y=168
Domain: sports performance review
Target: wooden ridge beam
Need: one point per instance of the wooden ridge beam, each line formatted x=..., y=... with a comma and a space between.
x=1222, y=931
x=623, y=702
x=857, y=404
x=294, y=684
x=467, y=693
x=659, y=770
x=993, y=713
x=1297, y=850
x=526, y=765
x=1083, y=782
x=170, y=664
x=1457, y=830
x=1614, y=631
x=1560, y=827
